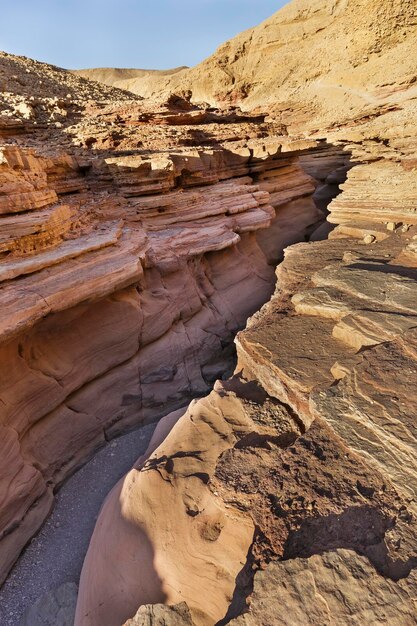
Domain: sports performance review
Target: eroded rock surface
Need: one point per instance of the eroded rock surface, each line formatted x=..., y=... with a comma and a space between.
x=309, y=450
x=130, y=255
x=337, y=587
x=137, y=237
x=161, y=615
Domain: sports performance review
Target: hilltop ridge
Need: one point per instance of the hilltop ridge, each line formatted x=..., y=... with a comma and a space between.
x=306, y=56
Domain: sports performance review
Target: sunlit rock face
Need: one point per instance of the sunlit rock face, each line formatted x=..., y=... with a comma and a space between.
x=308, y=450
x=124, y=275
x=138, y=239
x=318, y=63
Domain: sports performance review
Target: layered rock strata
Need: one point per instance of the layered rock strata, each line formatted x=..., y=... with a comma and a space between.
x=136, y=238
x=301, y=466
x=123, y=280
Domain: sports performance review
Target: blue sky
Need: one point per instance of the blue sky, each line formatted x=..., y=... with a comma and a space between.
x=125, y=33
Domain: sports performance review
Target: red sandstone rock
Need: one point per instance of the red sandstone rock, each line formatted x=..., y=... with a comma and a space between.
x=122, y=283
x=135, y=241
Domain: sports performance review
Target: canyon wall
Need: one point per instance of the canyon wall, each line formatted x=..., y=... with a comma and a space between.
x=300, y=467
x=124, y=279
x=288, y=494
x=136, y=237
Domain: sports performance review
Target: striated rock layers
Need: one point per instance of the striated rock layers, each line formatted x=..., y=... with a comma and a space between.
x=288, y=494
x=124, y=273
x=135, y=240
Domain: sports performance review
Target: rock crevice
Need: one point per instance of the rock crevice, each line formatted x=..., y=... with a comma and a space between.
x=138, y=238
x=123, y=281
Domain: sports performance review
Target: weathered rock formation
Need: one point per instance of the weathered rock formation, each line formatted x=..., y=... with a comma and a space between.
x=323, y=61
x=338, y=587
x=288, y=494
x=309, y=449
x=123, y=280
x=136, y=238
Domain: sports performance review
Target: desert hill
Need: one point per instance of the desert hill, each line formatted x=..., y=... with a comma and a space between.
x=126, y=78
x=26, y=77
x=306, y=55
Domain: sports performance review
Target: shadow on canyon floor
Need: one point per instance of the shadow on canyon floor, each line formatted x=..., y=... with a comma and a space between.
x=55, y=555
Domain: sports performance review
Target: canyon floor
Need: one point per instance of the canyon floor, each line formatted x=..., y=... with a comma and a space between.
x=55, y=556
x=240, y=241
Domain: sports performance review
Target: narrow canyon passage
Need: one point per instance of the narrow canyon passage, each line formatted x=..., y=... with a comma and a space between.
x=177, y=253
x=55, y=556
x=271, y=471
x=208, y=330
x=63, y=540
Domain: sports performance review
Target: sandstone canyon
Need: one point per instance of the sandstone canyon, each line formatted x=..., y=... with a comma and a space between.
x=229, y=251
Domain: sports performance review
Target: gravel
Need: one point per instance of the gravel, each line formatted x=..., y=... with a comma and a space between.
x=56, y=554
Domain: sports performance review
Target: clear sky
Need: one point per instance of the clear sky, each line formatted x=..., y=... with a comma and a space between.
x=145, y=34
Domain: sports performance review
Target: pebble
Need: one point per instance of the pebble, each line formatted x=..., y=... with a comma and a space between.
x=369, y=239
